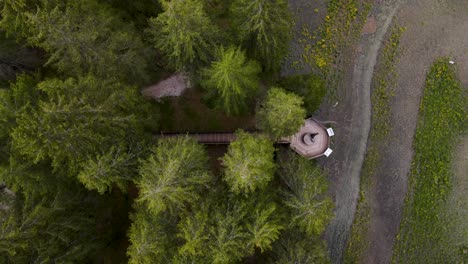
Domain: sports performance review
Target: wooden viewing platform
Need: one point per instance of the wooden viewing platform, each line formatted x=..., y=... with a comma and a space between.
x=312, y=140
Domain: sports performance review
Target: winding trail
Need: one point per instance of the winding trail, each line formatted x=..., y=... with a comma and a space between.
x=352, y=151
x=434, y=29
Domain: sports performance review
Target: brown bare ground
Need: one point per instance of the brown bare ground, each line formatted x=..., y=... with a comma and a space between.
x=434, y=28
x=353, y=115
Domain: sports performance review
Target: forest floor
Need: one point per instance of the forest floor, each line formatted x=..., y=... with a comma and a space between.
x=188, y=113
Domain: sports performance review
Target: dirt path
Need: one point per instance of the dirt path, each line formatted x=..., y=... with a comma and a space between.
x=348, y=162
x=434, y=28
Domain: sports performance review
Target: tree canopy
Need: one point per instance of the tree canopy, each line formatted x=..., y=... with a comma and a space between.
x=220, y=230
x=52, y=228
x=232, y=79
x=79, y=144
x=282, y=114
x=265, y=27
x=76, y=118
x=249, y=163
x=151, y=238
x=100, y=42
x=183, y=32
x=294, y=247
x=173, y=175
x=305, y=194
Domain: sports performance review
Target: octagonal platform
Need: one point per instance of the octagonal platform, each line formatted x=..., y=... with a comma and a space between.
x=312, y=140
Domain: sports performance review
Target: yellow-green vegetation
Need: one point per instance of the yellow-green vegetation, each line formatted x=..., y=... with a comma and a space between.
x=344, y=19
x=231, y=78
x=249, y=163
x=424, y=235
x=384, y=82
x=382, y=93
x=282, y=113
x=324, y=49
x=310, y=86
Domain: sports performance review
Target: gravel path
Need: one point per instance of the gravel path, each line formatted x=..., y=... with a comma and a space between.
x=349, y=162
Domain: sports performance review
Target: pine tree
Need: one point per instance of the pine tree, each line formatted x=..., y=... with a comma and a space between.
x=21, y=174
x=249, y=163
x=184, y=33
x=227, y=229
x=232, y=79
x=229, y=239
x=151, y=238
x=264, y=227
x=85, y=36
x=15, y=100
x=193, y=229
x=50, y=229
x=116, y=166
x=282, y=114
x=295, y=247
x=174, y=175
x=306, y=194
x=76, y=122
x=265, y=26
x=14, y=16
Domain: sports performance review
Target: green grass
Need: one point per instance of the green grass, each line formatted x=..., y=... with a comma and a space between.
x=382, y=93
x=424, y=236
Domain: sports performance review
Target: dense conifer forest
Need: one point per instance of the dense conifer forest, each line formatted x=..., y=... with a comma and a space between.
x=83, y=177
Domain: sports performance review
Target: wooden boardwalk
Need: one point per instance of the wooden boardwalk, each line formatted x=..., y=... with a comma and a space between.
x=217, y=138
x=311, y=141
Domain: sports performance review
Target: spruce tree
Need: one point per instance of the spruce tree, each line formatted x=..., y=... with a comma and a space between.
x=76, y=123
x=265, y=27
x=305, y=194
x=58, y=228
x=282, y=114
x=174, y=175
x=184, y=33
x=85, y=36
x=152, y=238
x=294, y=247
x=249, y=164
x=232, y=79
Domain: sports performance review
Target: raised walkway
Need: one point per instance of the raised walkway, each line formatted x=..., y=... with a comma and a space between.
x=311, y=141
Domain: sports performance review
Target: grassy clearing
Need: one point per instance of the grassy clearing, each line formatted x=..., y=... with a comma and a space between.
x=424, y=233
x=382, y=93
